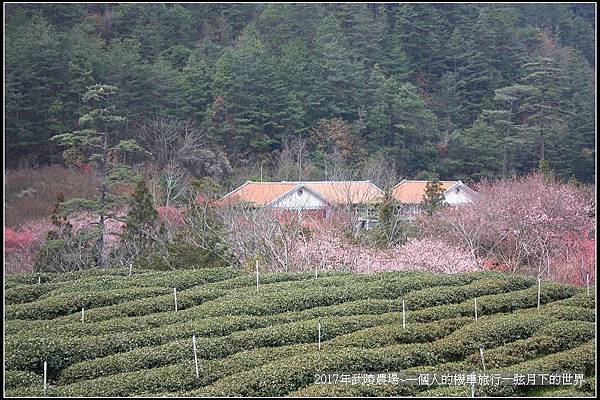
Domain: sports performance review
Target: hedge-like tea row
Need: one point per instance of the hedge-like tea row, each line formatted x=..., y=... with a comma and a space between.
x=26, y=293
x=385, y=335
x=26, y=352
x=503, y=302
x=578, y=360
x=149, y=357
x=265, y=343
x=183, y=280
x=68, y=303
x=30, y=278
x=254, y=358
x=220, y=347
x=21, y=348
x=142, y=306
x=69, y=326
x=150, y=320
x=279, y=335
x=13, y=379
x=286, y=296
x=293, y=373
x=277, y=297
x=581, y=299
x=552, y=338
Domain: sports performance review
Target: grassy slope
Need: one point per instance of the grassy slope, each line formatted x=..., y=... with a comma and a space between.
x=249, y=343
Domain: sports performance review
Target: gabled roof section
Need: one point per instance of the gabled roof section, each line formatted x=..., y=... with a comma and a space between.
x=258, y=193
x=298, y=187
x=412, y=192
x=347, y=192
x=334, y=192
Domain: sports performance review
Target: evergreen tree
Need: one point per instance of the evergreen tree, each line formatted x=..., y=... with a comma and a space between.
x=545, y=170
x=544, y=101
x=508, y=119
x=433, y=198
x=142, y=214
x=97, y=143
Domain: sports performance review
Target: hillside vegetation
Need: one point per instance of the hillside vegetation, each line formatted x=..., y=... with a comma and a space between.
x=473, y=90
x=265, y=342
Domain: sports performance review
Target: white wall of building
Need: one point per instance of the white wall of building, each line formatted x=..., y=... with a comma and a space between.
x=457, y=195
x=300, y=198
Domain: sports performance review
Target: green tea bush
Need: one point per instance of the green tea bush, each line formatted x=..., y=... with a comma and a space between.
x=273, y=336
x=295, y=372
x=26, y=293
x=68, y=303
x=133, y=342
x=580, y=360
x=13, y=379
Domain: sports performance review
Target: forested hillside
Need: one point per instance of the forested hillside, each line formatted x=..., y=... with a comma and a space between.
x=470, y=90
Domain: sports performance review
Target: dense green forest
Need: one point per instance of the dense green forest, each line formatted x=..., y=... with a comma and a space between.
x=471, y=90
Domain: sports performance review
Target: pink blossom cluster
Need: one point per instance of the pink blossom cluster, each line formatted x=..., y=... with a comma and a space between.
x=526, y=224
x=21, y=245
x=330, y=251
x=113, y=226
x=172, y=216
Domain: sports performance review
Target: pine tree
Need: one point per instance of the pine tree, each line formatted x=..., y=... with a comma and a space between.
x=433, y=198
x=508, y=119
x=99, y=144
x=545, y=170
x=142, y=215
x=544, y=101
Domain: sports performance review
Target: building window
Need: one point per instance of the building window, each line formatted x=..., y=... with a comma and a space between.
x=300, y=192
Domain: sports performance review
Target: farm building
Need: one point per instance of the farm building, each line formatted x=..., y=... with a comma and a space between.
x=410, y=194
x=318, y=199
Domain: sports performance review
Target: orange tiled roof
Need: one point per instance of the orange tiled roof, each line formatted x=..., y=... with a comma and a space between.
x=347, y=192
x=336, y=192
x=413, y=191
x=259, y=193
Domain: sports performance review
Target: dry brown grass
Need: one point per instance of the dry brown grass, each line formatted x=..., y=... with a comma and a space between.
x=31, y=192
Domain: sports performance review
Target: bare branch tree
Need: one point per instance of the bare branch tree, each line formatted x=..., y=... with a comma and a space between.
x=174, y=141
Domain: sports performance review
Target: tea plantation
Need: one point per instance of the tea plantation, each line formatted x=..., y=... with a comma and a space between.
x=132, y=341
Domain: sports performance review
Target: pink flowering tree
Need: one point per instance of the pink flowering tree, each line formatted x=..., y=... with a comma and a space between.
x=528, y=224
x=311, y=244
x=22, y=244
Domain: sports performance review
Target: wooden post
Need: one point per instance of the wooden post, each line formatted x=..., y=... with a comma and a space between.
x=45, y=377
x=403, y=316
x=130, y=268
x=82, y=314
x=319, y=328
x=195, y=355
x=175, y=295
x=475, y=309
x=257, y=276
x=39, y=279
x=539, y=296
x=482, y=358
x=587, y=282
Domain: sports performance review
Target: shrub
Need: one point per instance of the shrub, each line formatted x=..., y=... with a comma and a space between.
x=26, y=294
x=297, y=371
x=67, y=303
x=64, y=350
x=524, y=224
x=272, y=336
x=581, y=360
x=13, y=379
